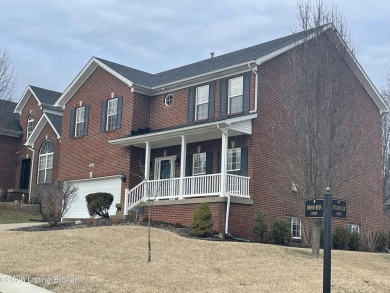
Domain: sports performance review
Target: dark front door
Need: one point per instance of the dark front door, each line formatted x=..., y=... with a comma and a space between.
x=25, y=175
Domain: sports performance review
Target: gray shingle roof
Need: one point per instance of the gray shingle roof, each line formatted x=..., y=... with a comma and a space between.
x=9, y=120
x=45, y=96
x=208, y=65
x=56, y=120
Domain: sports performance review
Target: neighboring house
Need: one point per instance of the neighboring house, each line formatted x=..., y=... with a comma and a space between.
x=10, y=133
x=193, y=134
x=39, y=147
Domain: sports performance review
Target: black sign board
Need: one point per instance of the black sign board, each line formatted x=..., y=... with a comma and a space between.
x=339, y=208
x=314, y=208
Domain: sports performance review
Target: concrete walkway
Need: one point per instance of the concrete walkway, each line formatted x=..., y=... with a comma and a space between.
x=10, y=284
x=5, y=227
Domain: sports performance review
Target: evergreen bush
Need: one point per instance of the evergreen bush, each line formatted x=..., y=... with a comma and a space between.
x=202, y=221
x=260, y=229
x=340, y=238
x=99, y=203
x=281, y=232
x=353, y=241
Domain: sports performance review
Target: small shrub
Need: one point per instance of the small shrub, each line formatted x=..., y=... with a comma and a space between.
x=382, y=241
x=260, y=229
x=340, y=238
x=202, y=221
x=370, y=240
x=353, y=241
x=99, y=203
x=281, y=232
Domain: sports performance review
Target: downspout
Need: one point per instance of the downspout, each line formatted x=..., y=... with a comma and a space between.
x=228, y=212
x=256, y=85
x=31, y=174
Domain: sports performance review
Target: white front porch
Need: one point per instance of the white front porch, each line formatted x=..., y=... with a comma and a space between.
x=186, y=187
x=165, y=185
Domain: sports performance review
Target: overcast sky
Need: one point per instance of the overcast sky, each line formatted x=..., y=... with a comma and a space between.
x=50, y=41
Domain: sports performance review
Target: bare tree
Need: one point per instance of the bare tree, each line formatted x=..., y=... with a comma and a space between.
x=315, y=119
x=54, y=200
x=386, y=146
x=7, y=83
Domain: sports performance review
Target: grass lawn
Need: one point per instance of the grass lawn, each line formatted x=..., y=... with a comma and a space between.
x=15, y=213
x=113, y=259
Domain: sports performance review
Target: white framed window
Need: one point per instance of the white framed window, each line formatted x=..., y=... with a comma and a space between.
x=202, y=102
x=199, y=164
x=79, y=125
x=168, y=100
x=295, y=226
x=353, y=228
x=234, y=160
x=30, y=125
x=112, y=112
x=235, y=95
x=45, y=165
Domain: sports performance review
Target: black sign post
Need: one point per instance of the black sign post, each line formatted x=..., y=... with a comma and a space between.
x=328, y=208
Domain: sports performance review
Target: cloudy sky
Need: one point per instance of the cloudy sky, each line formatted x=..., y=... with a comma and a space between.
x=50, y=41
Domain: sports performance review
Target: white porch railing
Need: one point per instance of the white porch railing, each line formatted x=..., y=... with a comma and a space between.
x=194, y=186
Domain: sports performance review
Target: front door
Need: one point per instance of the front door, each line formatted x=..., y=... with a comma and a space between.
x=25, y=174
x=165, y=169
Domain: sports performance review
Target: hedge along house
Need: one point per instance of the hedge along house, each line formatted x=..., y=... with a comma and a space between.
x=197, y=133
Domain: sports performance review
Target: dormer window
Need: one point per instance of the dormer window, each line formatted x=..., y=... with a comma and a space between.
x=30, y=125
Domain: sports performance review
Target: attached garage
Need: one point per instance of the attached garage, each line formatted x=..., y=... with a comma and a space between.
x=112, y=184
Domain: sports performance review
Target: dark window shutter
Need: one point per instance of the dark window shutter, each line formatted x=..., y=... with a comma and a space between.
x=191, y=104
x=219, y=162
x=209, y=162
x=103, y=117
x=246, y=87
x=211, y=99
x=189, y=165
x=86, y=120
x=72, y=121
x=119, y=113
x=244, y=161
x=223, y=97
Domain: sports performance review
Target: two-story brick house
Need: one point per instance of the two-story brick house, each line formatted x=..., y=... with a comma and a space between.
x=197, y=133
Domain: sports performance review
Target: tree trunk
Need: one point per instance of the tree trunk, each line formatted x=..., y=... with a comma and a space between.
x=316, y=238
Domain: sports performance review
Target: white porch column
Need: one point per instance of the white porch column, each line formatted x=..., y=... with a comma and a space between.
x=147, y=168
x=182, y=165
x=224, y=148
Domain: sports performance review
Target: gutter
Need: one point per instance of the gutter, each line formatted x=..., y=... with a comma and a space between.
x=256, y=85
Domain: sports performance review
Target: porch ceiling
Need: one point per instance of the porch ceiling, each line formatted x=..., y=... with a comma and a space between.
x=202, y=132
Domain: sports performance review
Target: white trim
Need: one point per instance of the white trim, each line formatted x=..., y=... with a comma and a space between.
x=202, y=154
x=38, y=128
x=94, y=178
x=198, y=104
x=194, y=129
x=23, y=100
x=87, y=70
x=230, y=96
x=157, y=166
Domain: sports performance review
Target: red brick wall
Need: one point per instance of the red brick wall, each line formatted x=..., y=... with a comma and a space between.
x=362, y=188
x=24, y=153
x=78, y=153
x=8, y=160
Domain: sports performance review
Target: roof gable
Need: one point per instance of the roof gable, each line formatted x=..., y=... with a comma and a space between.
x=55, y=121
x=43, y=97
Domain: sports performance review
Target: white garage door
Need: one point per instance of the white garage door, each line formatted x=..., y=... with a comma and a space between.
x=79, y=210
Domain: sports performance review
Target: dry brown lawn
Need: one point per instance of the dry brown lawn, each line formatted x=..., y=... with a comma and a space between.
x=113, y=259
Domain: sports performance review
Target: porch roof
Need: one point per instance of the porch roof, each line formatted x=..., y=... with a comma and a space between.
x=194, y=133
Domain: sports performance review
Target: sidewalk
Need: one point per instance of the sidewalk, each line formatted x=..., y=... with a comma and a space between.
x=10, y=284
x=5, y=227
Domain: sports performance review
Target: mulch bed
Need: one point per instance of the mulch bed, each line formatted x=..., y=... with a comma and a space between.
x=88, y=223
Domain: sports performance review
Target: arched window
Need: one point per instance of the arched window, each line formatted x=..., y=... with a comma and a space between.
x=45, y=165
x=30, y=125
